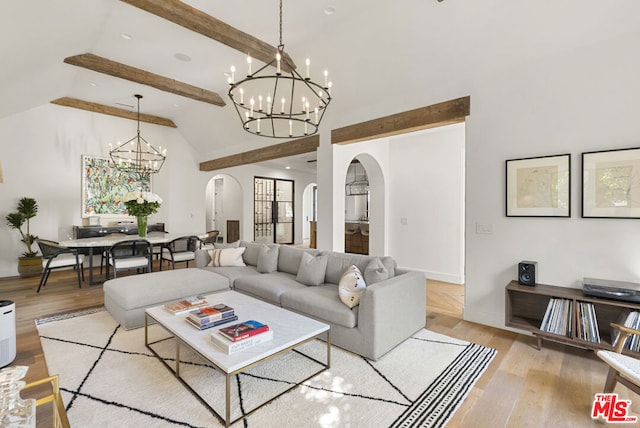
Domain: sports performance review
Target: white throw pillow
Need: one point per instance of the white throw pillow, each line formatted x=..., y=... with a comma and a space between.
x=226, y=257
x=351, y=286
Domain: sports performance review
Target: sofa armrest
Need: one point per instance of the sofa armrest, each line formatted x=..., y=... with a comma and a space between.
x=202, y=258
x=392, y=310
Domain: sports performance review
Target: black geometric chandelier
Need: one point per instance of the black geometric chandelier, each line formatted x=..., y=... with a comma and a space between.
x=137, y=156
x=280, y=105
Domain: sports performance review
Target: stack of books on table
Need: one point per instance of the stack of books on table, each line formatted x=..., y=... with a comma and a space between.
x=211, y=316
x=186, y=305
x=244, y=335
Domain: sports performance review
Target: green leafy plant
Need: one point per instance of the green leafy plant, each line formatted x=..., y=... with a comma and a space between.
x=27, y=209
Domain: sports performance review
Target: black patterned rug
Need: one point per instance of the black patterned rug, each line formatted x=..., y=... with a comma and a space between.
x=110, y=379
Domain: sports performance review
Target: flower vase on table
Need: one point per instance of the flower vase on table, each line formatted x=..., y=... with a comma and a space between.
x=141, y=205
x=142, y=226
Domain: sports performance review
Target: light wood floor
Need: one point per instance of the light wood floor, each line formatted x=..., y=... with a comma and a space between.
x=523, y=387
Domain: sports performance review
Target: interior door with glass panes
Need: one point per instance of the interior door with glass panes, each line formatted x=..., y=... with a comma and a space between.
x=273, y=210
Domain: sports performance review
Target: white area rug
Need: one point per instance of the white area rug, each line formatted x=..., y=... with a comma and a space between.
x=110, y=379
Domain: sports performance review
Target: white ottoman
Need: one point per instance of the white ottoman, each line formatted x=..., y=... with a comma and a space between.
x=126, y=298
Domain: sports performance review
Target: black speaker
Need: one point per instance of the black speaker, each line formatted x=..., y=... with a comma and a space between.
x=528, y=273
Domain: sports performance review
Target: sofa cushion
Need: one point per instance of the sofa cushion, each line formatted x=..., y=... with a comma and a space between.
x=351, y=286
x=220, y=245
x=233, y=272
x=312, y=269
x=226, y=257
x=252, y=252
x=289, y=258
x=268, y=258
x=321, y=302
x=338, y=263
x=375, y=272
x=268, y=286
x=391, y=265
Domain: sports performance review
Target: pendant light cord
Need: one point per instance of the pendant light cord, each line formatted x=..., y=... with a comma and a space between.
x=281, y=45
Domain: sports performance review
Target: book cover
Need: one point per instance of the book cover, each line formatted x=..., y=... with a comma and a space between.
x=243, y=330
x=186, y=305
x=211, y=313
x=211, y=324
x=229, y=347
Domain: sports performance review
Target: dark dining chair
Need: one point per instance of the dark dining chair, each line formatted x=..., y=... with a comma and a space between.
x=130, y=254
x=209, y=241
x=181, y=249
x=55, y=256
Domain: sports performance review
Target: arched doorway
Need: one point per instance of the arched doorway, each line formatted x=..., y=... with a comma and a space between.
x=364, y=210
x=223, y=203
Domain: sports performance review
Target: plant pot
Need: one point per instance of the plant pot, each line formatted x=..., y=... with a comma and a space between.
x=29, y=266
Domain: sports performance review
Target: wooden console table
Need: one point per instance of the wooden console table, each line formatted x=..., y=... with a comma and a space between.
x=525, y=307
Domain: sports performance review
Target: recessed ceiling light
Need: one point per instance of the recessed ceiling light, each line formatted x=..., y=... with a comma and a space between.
x=329, y=10
x=126, y=36
x=182, y=57
x=92, y=84
x=287, y=167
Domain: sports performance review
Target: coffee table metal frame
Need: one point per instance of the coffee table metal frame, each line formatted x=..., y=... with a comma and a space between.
x=230, y=374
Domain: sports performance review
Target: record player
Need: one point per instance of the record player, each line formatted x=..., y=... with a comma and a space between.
x=616, y=290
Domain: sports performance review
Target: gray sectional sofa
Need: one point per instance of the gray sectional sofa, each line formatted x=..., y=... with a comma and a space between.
x=390, y=309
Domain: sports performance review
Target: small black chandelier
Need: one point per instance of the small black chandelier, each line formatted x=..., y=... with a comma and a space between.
x=136, y=156
x=280, y=105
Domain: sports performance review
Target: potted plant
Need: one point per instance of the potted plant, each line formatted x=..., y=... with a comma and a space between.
x=30, y=264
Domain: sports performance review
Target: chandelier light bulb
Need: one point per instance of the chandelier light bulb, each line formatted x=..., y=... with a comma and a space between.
x=233, y=74
x=282, y=108
x=241, y=96
x=259, y=102
x=308, y=63
x=278, y=58
x=326, y=77
x=248, y=65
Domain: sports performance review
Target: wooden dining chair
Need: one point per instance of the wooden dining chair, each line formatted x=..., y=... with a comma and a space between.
x=55, y=256
x=624, y=369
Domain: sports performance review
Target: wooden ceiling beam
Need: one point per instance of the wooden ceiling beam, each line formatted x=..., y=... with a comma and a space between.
x=444, y=113
x=123, y=71
x=290, y=148
x=113, y=111
x=196, y=20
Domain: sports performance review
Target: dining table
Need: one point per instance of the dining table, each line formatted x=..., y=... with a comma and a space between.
x=101, y=242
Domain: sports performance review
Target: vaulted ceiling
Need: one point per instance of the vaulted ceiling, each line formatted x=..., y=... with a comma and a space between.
x=375, y=51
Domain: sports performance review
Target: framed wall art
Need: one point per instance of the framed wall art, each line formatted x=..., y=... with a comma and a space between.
x=103, y=185
x=611, y=184
x=539, y=187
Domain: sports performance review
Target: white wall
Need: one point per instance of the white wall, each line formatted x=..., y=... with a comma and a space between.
x=41, y=154
x=426, y=202
x=582, y=100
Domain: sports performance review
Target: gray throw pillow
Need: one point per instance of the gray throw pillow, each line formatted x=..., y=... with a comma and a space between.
x=312, y=269
x=268, y=258
x=375, y=272
x=218, y=246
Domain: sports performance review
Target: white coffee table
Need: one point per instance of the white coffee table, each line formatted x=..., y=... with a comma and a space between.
x=290, y=331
